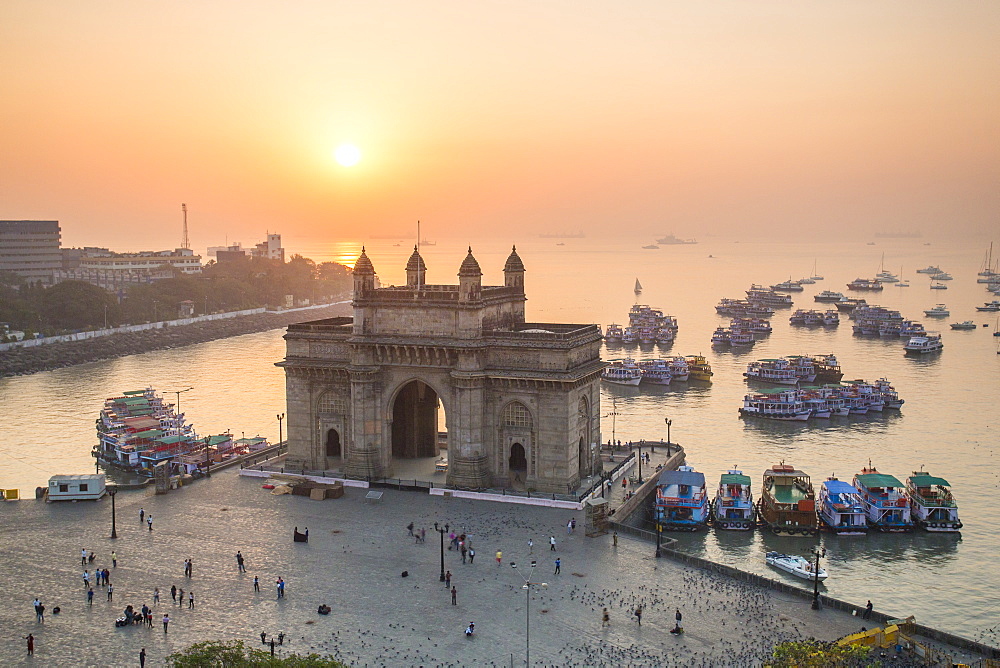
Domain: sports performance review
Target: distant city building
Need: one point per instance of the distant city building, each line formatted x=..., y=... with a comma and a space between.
x=270, y=249
x=114, y=271
x=30, y=248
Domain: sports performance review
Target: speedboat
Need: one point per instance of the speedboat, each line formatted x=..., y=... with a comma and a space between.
x=681, y=502
x=967, y=324
x=931, y=269
x=932, y=505
x=829, y=296
x=939, y=310
x=921, y=345
x=938, y=286
x=787, y=502
x=884, y=498
x=840, y=508
x=990, y=306
x=797, y=566
x=733, y=505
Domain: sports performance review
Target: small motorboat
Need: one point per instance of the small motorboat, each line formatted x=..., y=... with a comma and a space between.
x=968, y=324
x=797, y=566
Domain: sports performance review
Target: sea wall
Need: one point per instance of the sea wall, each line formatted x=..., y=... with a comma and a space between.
x=30, y=357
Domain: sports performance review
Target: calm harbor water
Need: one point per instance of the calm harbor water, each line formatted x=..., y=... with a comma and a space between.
x=947, y=426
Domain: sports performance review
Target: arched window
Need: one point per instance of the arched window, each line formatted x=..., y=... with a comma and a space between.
x=516, y=414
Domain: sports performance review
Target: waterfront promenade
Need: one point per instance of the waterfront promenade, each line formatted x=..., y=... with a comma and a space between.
x=353, y=563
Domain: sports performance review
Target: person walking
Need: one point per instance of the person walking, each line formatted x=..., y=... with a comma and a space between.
x=423, y=535
x=552, y=543
x=447, y=579
x=465, y=553
x=277, y=586
x=256, y=583
x=180, y=598
x=572, y=525
x=558, y=566
x=614, y=538
x=142, y=654
x=106, y=574
x=454, y=596
x=166, y=622
x=190, y=568
x=149, y=523
x=156, y=595
x=39, y=611
x=605, y=618
x=868, y=610
x=142, y=513
x=173, y=593
x=86, y=578
x=499, y=557
x=638, y=615
x=569, y=527
x=239, y=562
x=190, y=600
x=531, y=546
x=409, y=528
x=31, y=644
x=472, y=555
x=111, y=592
x=90, y=596
x=114, y=559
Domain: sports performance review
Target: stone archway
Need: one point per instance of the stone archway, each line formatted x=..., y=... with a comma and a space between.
x=584, y=459
x=333, y=446
x=415, y=421
x=517, y=463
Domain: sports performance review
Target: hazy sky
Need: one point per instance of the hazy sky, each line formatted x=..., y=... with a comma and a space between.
x=809, y=118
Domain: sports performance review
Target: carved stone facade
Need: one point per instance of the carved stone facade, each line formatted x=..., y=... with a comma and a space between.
x=521, y=399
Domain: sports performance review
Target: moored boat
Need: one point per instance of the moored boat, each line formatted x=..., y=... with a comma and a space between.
x=828, y=296
x=655, y=372
x=990, y=306
x=787, y=501
x=938, y=311
x=788, y=286
x=870, y=284
x=733, y=506
x=932, y=505
x=884, y=499
x=922, y=345
x=681, y=502
x=840, y=508
x=796, y=565
x=622, y=372
x=613, y=334
x=966, y=324
x=699, y=368
x=930, y=269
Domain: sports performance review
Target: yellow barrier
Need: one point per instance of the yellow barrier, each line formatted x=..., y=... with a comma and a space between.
x=11, y=494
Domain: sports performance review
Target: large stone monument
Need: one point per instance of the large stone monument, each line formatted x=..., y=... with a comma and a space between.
x=521, y=400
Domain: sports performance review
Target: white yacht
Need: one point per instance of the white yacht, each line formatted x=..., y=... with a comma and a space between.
x=797, y=566
x=939, y=311
x=921, y=345
x=622, y=372
x=931, y=269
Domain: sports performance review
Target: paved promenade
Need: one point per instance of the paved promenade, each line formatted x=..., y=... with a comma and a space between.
x=353, y=563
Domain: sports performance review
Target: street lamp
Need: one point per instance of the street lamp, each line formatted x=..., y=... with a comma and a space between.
x=613, y=415
x=442, y=531
x=208, y=460
x=658, y=553
x=112, y=490
x=528, y=584
x=817, y=552
x=280, y=416
x=177, y=417
x=105, y=316
x=669, y=422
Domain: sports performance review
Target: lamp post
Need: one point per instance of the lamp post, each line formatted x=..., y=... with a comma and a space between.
x=208, y=459
x=528, y=584
x=280, y=416
x=155, y=303
x=112, y=490
x=105, y=316
x=442, y=531
x=177, y=418
x=669, y=422
x=639, y=451
x=613, y=415
x=658, y=554
x=817, y=552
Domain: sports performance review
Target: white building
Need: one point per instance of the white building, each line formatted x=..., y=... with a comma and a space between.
x=81, y=487
x=183, y=259
x=30, y=248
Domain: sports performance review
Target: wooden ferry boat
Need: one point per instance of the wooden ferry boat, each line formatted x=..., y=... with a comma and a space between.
x=787, y=501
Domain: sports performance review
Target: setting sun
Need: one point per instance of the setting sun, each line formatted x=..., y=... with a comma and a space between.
x=347, y=155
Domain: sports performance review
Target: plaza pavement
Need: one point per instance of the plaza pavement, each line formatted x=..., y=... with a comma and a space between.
x=353, y=562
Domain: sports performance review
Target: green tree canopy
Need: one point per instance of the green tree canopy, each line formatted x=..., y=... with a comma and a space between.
x=76, y=305
x=234, y=654
x=817, y=654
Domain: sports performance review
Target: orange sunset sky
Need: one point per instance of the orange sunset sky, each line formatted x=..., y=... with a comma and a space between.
x=613, y=118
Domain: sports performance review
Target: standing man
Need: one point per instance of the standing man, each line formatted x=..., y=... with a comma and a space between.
x=173, y=593
x=149, y=523
x=569, y=527
x=83, y=557
x=638, y=615
x=114, y=559
x=111, y=592
x=90, y=596
x=868, y=610
x=31, y=644
x=190, y=600
x=239, y=562
x=409, y=527
x=156, y=595
x=552, y=543
x=39, y=611
x=166, y=621
x=558, y=566
x=447, y=579
x=256, y=583
x=86, y=578
x=190, y=568
x=142, y=653
x=614, y=538
x=472, y=555
x=464, y=553
x=454, y=596
x=677, y=618
x=531, y=546
x=499, y=557
x=142, y=514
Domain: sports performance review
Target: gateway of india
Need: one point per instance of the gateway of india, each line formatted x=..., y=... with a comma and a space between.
x=521, y=400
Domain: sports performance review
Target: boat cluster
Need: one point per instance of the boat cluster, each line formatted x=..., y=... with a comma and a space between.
x=795, y=369
x=741, y=332
x=811, y=317
x=789, y=504
x=646, y=325
x=658, y=371
x=856, y=397
x=138, y=431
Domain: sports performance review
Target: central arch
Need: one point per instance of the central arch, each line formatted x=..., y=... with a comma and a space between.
x=415, y=421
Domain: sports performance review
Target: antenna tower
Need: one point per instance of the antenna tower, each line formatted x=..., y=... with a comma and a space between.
x=185, y=243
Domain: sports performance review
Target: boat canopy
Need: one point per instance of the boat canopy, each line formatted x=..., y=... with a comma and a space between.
x=734, y=479
x=926, y=480
x=841, y=487
x=870, y=480
x=149, y=433
x=219, y=438
x=129, y=393
x=691, y=478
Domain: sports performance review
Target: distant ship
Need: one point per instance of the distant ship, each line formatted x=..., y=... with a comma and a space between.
x=562, y=235
x=671, y=240
x=898, y=235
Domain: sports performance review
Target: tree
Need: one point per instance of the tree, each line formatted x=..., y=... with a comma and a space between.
x=234, y=654
x=76, y=305
x=817, y=654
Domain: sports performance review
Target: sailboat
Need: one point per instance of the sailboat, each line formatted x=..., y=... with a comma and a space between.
x=884, y=275
x=638, y=287
x=988, y=273
x=815, y=276
x=902, y=282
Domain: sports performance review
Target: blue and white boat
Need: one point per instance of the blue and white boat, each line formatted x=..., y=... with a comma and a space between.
x=841, y=509
x=885, y=502
x=932, y=504
x=681, y=500
x=733, y=505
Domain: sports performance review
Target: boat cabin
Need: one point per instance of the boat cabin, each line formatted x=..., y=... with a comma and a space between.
x=82, y=487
